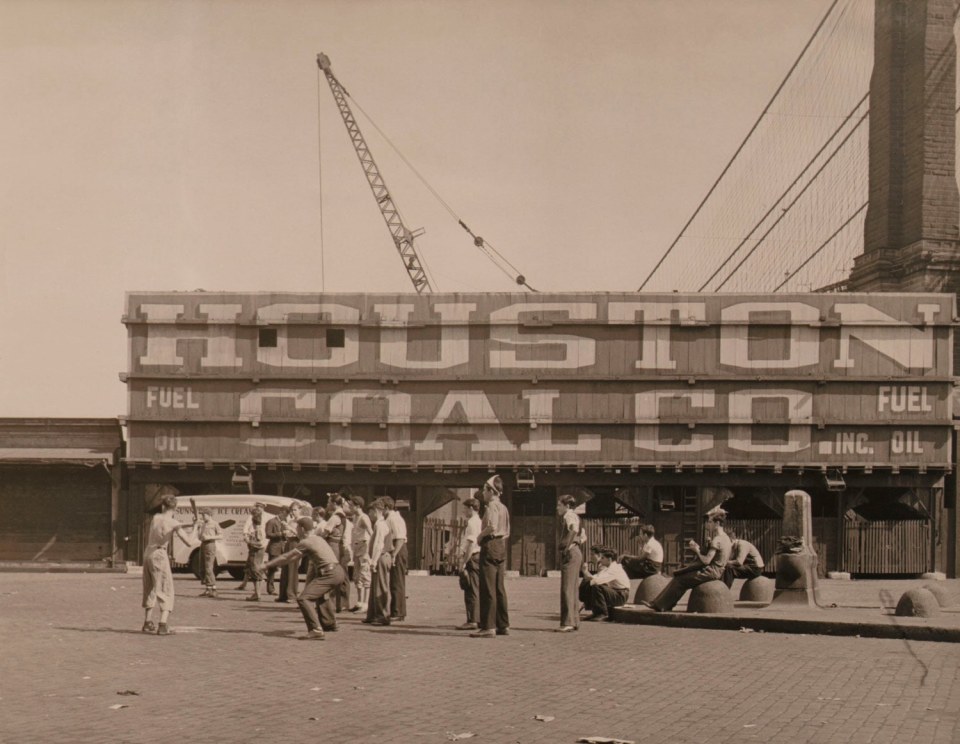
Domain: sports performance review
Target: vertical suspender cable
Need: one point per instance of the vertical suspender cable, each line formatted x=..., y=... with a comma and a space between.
x=742, y=145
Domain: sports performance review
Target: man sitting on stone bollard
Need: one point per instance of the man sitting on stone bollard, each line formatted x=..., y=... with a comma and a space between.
x=708, y=566
x=745, y=560
x=650, y=560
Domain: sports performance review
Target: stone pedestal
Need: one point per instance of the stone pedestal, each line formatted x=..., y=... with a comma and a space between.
x=796, y=582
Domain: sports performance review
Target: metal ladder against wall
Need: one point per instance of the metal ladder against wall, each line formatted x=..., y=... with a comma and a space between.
x=690, y=523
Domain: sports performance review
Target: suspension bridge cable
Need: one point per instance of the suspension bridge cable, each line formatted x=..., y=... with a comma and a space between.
x=823, y=245
x=795, y=200
x=742, y=145
x=785, y=192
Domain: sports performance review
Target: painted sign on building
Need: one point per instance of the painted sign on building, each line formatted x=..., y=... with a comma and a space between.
x=584, y=379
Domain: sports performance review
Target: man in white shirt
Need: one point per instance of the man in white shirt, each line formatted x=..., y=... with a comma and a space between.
x=157, y=576
x=255, y=535
x=381, y=561
x=469, y=559
x=650, y=560
x=609, y=587
x=360, y=547
x=398, y=550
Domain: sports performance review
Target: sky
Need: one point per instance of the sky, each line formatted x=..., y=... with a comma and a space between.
x=173, y=145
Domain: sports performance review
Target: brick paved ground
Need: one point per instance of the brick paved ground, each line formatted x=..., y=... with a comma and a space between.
x=235, y=673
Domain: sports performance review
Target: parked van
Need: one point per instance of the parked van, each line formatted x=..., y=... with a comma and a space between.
x=231, y=510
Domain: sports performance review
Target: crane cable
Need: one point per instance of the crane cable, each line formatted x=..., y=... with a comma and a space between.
x=323, y=273
x=488, y=250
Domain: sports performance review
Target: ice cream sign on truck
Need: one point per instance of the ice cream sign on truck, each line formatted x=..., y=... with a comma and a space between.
x=231, y=512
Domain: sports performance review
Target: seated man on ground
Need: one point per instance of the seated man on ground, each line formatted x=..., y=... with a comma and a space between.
x=650, y=560
x=609, y=587
x=708, y=566
x=745, y=560
x=583, y=593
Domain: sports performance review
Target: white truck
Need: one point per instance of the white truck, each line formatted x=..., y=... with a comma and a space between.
x=231, y=510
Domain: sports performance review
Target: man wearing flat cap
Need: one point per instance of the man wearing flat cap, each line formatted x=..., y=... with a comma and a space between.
x=494, y=531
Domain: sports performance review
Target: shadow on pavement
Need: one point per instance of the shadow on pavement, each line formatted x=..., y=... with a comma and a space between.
x=188, y=630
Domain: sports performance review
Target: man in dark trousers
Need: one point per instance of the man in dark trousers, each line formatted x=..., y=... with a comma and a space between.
x=494, y=616
x=398, y=554
x=469, y=554
x=324, y=575
x=275, y=543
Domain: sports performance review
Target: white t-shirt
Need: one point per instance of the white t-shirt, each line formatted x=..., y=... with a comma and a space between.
x=471, y=535
x=653, y=550
x=397, y=526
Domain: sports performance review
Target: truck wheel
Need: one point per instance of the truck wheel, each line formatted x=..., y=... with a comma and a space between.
x=236, y=572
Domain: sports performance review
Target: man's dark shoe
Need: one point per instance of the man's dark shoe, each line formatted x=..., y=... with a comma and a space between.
x=397, y=618
x=503, y=631
x=484, y=634
x=281, y=600
x=468, y=626
x=162, y=629
x=313, y=635
x=379, y=622
x=149, y=627
x=593, y=618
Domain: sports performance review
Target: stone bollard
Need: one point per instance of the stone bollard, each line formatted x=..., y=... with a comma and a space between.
x=757, y=589
x=944, y=597
x=632, y=594
x=650, y=587
x=917, y=603
x=711, y=597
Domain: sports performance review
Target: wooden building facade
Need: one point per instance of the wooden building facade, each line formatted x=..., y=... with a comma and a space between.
x=663, y=404
x=60, y=490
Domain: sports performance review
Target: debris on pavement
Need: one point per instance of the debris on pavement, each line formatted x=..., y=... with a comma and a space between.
x=603, y=740
x=545, y=719
x=456, y=737
x=127, y=692
x=118, y=706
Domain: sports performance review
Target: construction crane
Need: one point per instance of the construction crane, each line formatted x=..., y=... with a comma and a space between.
x=402, y=236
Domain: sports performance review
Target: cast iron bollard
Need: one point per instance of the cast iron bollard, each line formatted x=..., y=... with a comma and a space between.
x=711, y=597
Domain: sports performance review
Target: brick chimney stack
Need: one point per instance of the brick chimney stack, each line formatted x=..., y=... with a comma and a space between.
x=912, y=229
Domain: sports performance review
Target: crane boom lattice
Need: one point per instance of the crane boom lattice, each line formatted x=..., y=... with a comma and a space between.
x=403, y=237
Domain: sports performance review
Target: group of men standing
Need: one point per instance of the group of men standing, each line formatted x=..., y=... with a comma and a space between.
x=346, y=547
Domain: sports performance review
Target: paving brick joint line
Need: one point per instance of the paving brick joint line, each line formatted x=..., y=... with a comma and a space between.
x=235, y=672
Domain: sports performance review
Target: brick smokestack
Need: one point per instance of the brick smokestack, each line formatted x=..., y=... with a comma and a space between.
x=912, y=226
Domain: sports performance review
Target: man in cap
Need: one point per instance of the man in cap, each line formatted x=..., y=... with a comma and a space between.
x=495, y=529
x=208, y=532
x=157, y=576
x=255, y=535
x=324, y=575
x=469, y=559
x=708, y=566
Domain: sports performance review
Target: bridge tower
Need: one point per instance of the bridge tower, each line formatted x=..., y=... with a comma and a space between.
x=912, y=228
